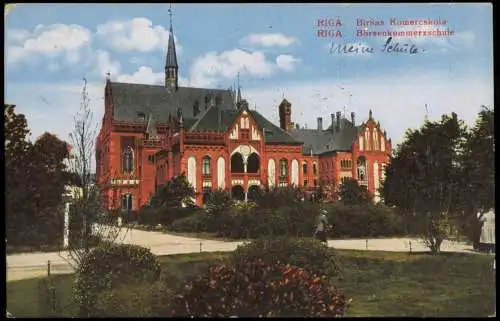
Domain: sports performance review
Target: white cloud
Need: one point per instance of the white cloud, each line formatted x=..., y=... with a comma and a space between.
x=207, y=69
x=270, y=40
x=103, y=64
x=144, y=75
x=397, y=101
x=286, y=62
x=51, y=41
x=137, y=34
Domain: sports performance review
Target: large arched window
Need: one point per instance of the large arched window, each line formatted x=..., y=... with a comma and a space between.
x=304, y=168
x=283, y=168
x=237, y=163
x=315, y=168
x=128, y=160
x=205, y=165
x=253, y=163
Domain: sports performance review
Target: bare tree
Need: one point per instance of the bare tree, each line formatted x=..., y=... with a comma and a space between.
x=97, y=228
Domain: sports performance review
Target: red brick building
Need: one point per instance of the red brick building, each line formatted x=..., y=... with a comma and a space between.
x=151, y=133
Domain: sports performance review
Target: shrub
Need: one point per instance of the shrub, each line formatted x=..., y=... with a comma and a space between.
x=104, y=268
x=193, y=223
x=307, y=253
x=258, y=289
x=153, y=216
x=279, y=196
x=133, y=300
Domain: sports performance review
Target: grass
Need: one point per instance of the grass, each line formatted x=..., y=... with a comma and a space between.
x=380, y=283
x=11, y=249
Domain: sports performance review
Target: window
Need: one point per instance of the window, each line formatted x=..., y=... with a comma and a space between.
x=315, y=182
x=315, y=168
x=151, y=158
x=304, y=168
x=305, y=183
x=346, y=163
x=206, y=165
x=375, y=140
x=128, y=160
x=141, y=116
x=283, y=168
x=196, y=108
x=207, y=101
x=218, y=101
x=367, y=139
x=127, y=202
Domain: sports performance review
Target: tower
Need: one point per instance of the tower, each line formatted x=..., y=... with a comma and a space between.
x=285, y=111
x=171, y=67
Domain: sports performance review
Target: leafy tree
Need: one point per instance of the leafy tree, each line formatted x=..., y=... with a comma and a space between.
x=423, y=178
x=279, y=196
x=351, y=192
x=478, y=185
x=218, y=202
x=173, y=194
x=35, y=184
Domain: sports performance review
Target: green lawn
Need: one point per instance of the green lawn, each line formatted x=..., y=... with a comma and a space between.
x=380, y=283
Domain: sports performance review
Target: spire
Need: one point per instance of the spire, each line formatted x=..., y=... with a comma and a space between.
x=238, y=97
x=171, y=67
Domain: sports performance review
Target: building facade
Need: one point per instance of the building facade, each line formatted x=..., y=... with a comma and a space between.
x=151, y=133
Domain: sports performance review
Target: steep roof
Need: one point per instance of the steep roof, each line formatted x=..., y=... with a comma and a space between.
x=220, y=120
x=131, y=99
x=324, y=141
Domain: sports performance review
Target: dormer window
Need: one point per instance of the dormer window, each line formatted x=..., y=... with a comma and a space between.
x=218, y=101
x=207, y=101
x=141, y=116
x=196, y=108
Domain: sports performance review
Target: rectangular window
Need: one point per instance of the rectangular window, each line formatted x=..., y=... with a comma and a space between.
x=127, y=202
x=315, y=182
x=315, y=169
x=304, y=168
x=305, y=183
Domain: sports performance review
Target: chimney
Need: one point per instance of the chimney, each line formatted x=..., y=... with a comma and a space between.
x=320, y=123
x=333, y=122
x=353, y=119
x=337, y=128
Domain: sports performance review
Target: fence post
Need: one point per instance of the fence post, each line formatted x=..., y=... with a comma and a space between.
x=410, y=246
x=200, y=246
x=48, y=268
x=366, y=244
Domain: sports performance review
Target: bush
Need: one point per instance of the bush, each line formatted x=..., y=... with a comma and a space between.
x=307, y=253
x=258, y=289
x=133, y=300
x=193, y=223
x=153, y=216
x=105, y=268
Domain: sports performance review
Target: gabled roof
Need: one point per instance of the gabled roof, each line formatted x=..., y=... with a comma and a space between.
x=221, y=120
x=318, y=142
x=131, y=99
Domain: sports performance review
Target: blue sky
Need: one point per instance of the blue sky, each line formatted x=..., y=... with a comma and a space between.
x=51, y=47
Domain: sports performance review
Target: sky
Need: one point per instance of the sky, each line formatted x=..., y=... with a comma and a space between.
x=278, y=49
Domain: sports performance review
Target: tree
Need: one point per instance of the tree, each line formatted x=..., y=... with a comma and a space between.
x=423, y=178
x=351, y=192
x=478, y=185
x=173, y=194
x=35, y=184
x=17, y=190
x=86, y=207
x=279, y=196
x=218, y=202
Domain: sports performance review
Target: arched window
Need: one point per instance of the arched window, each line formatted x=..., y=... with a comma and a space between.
x=283, y=168
x=304, y=168
x=128, y=160
x=315, y=168
x=205, y=165
x=127, y=200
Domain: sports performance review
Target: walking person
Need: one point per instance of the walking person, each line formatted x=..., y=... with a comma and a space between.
x=321, y=226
